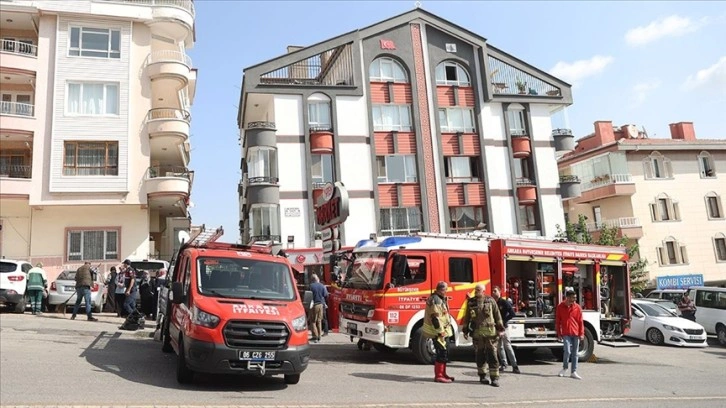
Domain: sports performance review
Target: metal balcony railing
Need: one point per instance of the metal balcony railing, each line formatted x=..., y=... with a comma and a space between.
x=169, y=171
x=169, y=56
x=525, y=182
x=22, y=171
x=561, y=132
x=168, y=113
x=606, y=179
x=622, y=222
x=17, y=108
x=18, y=47
x=569, y=179
x=187, y=5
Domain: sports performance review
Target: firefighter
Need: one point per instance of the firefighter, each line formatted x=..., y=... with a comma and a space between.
x=437, y=327
x=483, y=322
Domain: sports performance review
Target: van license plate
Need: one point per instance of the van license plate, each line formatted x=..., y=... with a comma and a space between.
x=352, y=328
x=257, y=355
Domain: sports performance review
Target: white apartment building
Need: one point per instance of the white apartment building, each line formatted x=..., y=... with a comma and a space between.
x=94, y=129
x=666, y=194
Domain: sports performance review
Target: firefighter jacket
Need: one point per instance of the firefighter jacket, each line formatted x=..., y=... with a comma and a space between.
x=482, y=317
x=436, y=320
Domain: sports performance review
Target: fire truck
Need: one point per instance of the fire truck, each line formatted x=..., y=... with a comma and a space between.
x=387, y=282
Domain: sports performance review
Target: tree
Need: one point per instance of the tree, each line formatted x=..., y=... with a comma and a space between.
x=609, y=236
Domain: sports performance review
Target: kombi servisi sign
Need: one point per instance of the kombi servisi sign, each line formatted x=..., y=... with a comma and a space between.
x=679, y=281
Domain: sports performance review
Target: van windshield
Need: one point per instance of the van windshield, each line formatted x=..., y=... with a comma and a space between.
x=244, y=279
x=367, y=271
x=150, y=266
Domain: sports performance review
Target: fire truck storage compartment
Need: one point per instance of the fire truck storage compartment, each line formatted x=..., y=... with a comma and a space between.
x=613, y=290
x=580, y=277
x=532, y=287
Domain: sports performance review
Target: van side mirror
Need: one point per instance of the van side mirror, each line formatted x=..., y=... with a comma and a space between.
x=177, y=293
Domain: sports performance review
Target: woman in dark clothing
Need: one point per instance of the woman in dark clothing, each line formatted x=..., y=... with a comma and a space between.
x=110, y=305
x=146, y=291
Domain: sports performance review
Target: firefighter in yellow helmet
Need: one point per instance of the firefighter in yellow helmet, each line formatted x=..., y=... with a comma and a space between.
x=437, y=326
x=483, y=322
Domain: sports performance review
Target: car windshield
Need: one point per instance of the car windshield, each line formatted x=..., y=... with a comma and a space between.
x=8, y=267
x=654, y=309
x=244, y=279
x=367, y=271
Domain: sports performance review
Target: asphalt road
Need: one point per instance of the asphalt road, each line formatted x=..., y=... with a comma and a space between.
x=53, y=361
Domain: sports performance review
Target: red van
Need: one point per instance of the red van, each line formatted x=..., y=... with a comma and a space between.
x=234, y=309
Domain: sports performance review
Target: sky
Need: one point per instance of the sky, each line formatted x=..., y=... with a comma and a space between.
x=643, y=63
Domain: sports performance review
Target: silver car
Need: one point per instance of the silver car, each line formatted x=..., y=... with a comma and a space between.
x=63, y=291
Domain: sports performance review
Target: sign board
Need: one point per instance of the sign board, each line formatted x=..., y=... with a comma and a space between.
x=329, y=234
x=292, y=212
x=332, y=206
x=331, y=246
x=679, y=281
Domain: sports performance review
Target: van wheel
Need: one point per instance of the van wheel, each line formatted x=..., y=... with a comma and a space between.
x=183, y=374
x=292, y=378
x=384, y=349
x=587, y=347
x=165, y=338
x=423, y=348
x=20, y=307
x=721, y=334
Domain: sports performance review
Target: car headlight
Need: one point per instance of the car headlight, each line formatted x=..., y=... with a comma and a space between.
x=300, y=323
x=671, y=328
x=202, y=318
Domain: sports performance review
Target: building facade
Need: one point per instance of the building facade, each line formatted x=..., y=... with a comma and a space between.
x=666, y=194
x=94, y=128
x=428, y=126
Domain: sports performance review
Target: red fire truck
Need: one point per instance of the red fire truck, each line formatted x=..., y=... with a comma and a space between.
x=386, y=284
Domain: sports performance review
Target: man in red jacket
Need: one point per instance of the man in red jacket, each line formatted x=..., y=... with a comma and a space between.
x=570, y=330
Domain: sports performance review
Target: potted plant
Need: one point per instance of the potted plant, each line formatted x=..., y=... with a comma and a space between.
x=521, y=86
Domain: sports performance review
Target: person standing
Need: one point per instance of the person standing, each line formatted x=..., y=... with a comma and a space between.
x=687, y=308
x=130, y=287
x=84, y=281
x=437, y=327
x=320, y=294
x=111, y=293
x=506, y=353
x=570, y=330
x=483, y=322
x=37, y=285
x=120, y=293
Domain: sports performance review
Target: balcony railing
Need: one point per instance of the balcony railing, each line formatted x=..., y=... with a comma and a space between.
x=522, y=182
x=168, y=113
x=169, y=171
x=22, y=171
x=622, y=222
x=18, y=47
x=169, y=56
x=16, y=108
x=607, y=179
x=569, y=179
x=263, y=238
x=187, y=5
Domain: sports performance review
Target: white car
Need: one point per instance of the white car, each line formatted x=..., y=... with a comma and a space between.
x=13, y=281
x=657, y=325
x=62, y=291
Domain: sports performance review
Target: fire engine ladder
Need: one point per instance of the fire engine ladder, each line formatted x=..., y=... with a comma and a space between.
x=480, y=236
x=205, y=236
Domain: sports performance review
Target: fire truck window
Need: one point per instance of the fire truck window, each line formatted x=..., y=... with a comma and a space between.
x=415, y=271
x=461, y=270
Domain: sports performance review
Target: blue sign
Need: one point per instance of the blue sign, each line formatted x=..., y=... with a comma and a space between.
x=679, y=281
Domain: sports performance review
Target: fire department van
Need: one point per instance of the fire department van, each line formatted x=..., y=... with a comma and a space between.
x=234, y=309
x=383, y=296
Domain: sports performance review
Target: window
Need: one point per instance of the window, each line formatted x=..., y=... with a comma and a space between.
x=521, y=169
x=262, y=165
x=92, y=99
x=264, y=222
x=705, y=165
x=400, y=221
x=95, y=42
x=462, y=169
x=719, y=245
x=461, y=270
x=456, y=120
x=710, y=299
x=465, y=219
x=92, y=245
x=322, y=169
x=319, y=112
x=527, y=219
x=387, y=69
x=672, y=253
x=451, y=73
x=656, y=166
x=516, y=121
x=392, y=117
x=397, y=169
x=90, y=159
x=713, y=206
x=664, y=209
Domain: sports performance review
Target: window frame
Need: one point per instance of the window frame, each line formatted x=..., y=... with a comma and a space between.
x=79, y=256
x=680, y=253
x=270, y=172
x=109, y=50
x=478, y=210
x=273, y=215
x=468, y=264
x=719, y=247
x=671, y=206
x=400, y=231
x=474, y=173
x=398, y=127
x=395, y=64
x=657, y=167
x=317, y=107
x=104, y=104
x=322, y=179
x=441, y=69
x=706, y=165
x=530, y=220
x=447, y=114
x=517, y=122
x=113, y=168
x=714, y=198
x=407, y=178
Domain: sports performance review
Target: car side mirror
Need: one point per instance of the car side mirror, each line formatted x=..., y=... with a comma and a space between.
x=638, y=314
x=177, y=293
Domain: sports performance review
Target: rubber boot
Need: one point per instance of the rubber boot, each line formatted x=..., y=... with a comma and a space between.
x=439, y=373
x=447, y=375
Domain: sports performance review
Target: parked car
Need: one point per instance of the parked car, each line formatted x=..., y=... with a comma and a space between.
x=657, y=325
x=13, y=281
x=62, y=291
x=711, y=310
x=668, y=304
x=673, y=295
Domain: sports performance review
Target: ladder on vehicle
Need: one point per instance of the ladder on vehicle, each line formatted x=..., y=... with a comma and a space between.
x=205, y=236
x=480, y=236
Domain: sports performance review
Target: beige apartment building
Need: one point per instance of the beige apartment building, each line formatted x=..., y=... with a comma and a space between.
x=94, y=129
x=666, y=194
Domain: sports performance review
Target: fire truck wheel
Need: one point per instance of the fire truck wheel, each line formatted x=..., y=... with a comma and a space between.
x=422, y=347
x=183, y=374
x=654, y=336
x=292, y=378
x=384, y=349
x=587, y=347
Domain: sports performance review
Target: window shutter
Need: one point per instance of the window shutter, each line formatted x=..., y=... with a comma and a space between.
x=653, y=212
x=668, y=168
x=647, y=169
x=676, y=211
x=684, y=254
x=661, y=255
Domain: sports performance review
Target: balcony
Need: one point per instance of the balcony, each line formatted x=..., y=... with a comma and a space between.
x=15, y=180
x=168, y=189
x=17, y=117
x=606, y=186
x=19, y=55
x=171, y=18
x=321, y=140
x=526, y=191
x=168, y=130
x=168, y=65
x=627, y=227
x=521, y=147
x=569, y=187
x=564, y=140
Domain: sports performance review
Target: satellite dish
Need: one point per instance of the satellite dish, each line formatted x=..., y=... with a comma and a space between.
x=632, y=131
x=183, y=236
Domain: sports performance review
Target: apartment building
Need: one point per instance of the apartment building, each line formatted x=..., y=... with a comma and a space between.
x=94, y=129
x=666, y=194
x=428, y=126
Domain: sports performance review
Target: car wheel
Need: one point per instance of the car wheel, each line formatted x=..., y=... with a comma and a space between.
x=587, y=347
x=423, y=348
x=654, y=336
x=183, y=374
x=165, y=338
x=384, y=349
x=721, y=334
x=20, y=307
x=292, y=378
